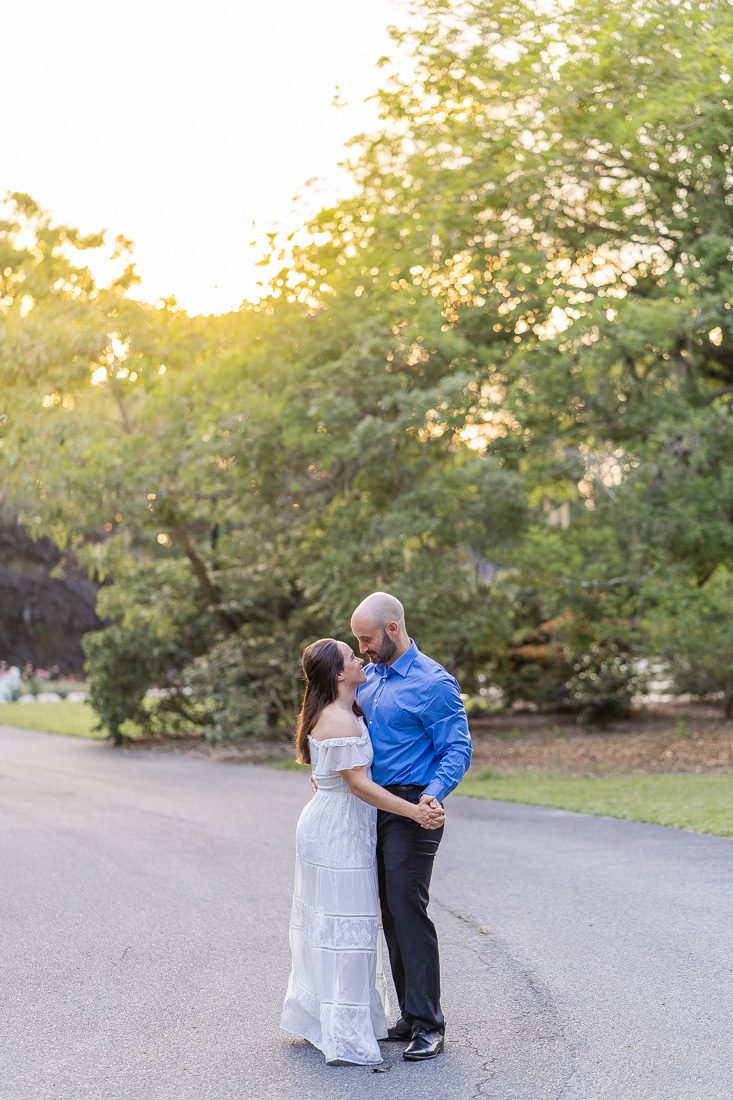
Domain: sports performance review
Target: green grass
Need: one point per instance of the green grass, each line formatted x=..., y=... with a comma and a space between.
x=698, y=803
x=73, y=719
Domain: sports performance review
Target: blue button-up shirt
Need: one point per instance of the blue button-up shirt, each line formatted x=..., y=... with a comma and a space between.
x=417, y=722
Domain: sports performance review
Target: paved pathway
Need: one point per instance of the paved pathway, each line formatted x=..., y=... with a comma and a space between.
x=143, y=943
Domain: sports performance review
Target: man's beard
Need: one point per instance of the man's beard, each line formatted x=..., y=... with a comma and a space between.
x=386, y=651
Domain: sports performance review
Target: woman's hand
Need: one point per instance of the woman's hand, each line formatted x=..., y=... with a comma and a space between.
x=429, y=813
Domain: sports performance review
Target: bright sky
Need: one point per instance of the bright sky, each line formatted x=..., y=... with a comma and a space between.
x=180, y=123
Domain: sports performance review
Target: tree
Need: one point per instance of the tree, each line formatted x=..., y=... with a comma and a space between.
x=521, y=315
x=690, y=628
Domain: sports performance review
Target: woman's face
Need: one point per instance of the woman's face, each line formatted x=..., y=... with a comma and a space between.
x=353, y=667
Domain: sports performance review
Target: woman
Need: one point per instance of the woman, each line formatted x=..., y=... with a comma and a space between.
x=336, y=996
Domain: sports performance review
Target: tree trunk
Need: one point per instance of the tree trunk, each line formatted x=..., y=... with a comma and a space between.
x=205, y=582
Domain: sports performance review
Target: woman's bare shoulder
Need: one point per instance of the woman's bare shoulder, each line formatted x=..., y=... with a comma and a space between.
x=336, y=722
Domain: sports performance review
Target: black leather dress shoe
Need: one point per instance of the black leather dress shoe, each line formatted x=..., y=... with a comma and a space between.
x=425, y=1044
x=400, y=1033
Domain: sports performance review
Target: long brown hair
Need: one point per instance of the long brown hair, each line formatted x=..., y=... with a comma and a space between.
x=321, y=663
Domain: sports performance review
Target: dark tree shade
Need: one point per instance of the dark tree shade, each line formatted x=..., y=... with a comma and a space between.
x=42, y=618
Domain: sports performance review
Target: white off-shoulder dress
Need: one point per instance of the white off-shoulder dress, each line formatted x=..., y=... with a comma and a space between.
x=336, y=996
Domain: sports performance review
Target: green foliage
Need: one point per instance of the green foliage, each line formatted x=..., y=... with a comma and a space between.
x=243, y=679
x=690, y=628
x=153, y=629
x=603, y=684
x=119, y=676
x=496, y=380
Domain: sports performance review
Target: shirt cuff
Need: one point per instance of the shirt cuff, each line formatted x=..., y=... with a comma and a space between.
x=435, y=790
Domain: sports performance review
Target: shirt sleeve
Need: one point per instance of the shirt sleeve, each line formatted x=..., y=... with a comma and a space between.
x=446, y=723
x=337, y=754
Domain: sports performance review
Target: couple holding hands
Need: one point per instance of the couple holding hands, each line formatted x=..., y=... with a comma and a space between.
x=386, y=744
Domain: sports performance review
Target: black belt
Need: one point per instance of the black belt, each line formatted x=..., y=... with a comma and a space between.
x=396, y=788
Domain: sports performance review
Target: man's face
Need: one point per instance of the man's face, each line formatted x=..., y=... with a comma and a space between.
x=375, y=642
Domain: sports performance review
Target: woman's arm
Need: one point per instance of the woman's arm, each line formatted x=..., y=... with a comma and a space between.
x=423, y=813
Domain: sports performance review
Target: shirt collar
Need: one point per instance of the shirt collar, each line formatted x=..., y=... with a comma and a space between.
x=403, y=664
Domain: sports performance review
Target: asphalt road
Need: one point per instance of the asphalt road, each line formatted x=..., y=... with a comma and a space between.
x=144, y=903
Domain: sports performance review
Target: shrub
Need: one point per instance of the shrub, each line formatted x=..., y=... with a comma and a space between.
x=246, y=685
x=119, y=674
x=691, y=630
x=152, y=632
x=604, y=683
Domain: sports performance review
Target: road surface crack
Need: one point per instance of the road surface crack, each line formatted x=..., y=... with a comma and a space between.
x=542, y=1017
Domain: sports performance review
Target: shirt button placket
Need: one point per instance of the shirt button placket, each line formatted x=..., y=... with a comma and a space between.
x=378, y=695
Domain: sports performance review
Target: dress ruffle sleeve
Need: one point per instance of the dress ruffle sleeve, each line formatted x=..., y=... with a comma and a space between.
x=336, y=754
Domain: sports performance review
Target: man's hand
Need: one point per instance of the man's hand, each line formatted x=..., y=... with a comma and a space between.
x=436, y=813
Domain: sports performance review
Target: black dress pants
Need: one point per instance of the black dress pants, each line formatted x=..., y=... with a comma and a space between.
x=405, y=854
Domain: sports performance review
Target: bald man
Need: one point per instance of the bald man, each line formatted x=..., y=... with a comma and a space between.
x=422, y=747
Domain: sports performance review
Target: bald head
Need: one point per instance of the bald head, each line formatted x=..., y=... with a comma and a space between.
x=379, y=609
x=379, y=627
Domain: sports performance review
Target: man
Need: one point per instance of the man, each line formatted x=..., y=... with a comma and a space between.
x=422, y=747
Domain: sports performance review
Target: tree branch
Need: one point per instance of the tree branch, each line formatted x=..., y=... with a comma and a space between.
x=205, y=583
